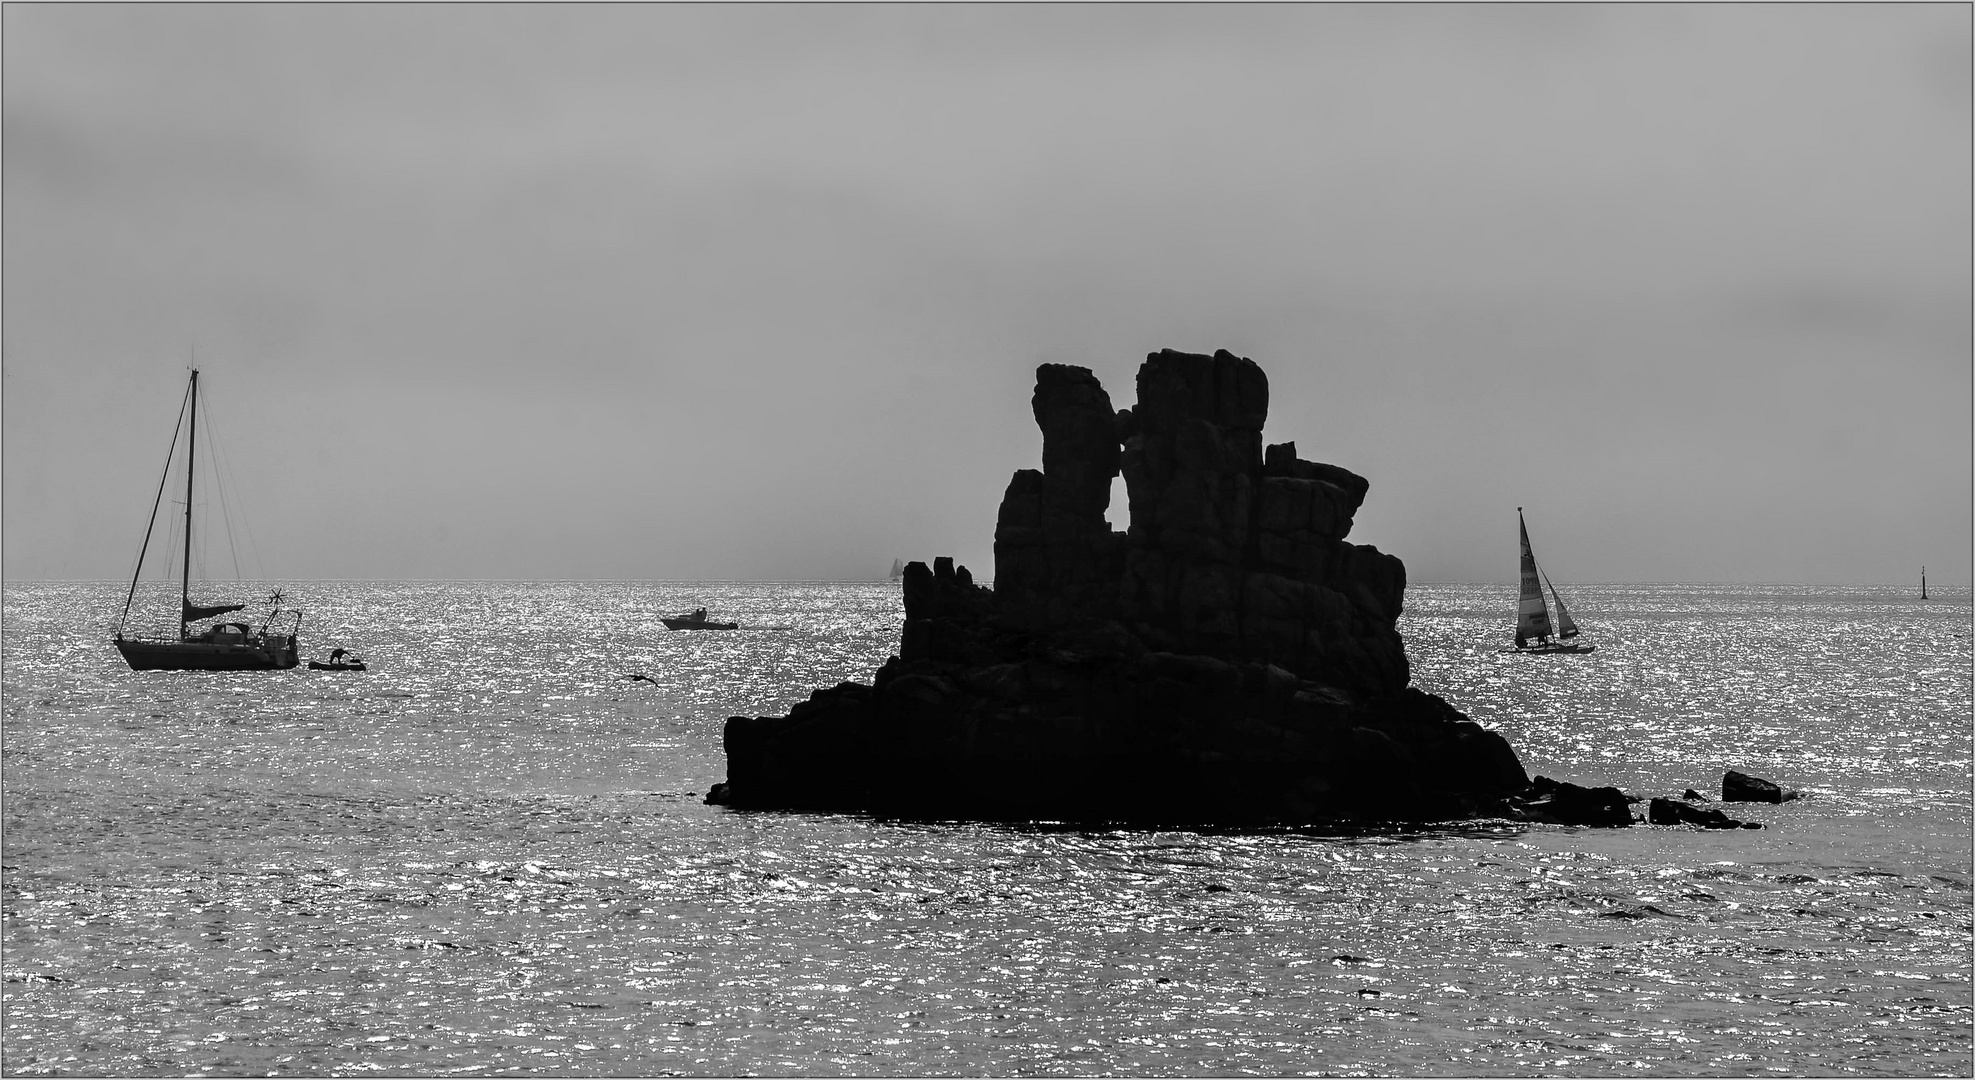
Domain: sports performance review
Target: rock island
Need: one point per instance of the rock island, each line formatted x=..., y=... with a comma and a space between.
x=1231, y=660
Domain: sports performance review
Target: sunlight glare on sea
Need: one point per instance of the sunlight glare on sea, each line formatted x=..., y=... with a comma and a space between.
x=489, y=853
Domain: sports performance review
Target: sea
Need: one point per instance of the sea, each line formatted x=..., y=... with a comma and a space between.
x=489, y=854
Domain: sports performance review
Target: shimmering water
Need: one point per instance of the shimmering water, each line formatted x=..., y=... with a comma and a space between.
x=488, y=854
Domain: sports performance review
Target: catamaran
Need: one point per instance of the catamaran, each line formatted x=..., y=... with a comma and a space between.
x=1532, y=617
x=227, y=646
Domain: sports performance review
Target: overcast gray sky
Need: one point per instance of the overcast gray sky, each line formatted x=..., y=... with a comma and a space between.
x=751, y=292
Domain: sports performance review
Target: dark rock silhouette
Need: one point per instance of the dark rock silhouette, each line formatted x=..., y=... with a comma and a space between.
x=1676, y=812
x=1560, y=802
x=1741, y=787
x=1229, y=660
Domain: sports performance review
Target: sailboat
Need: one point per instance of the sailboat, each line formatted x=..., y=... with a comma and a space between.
x=1532, y=617
x=226, y=646
x=1923, y=583
x=898, y=569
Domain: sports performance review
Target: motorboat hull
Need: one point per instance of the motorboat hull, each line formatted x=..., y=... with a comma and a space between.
x=698, y=624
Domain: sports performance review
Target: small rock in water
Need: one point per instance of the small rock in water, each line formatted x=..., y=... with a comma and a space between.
x=1675, y=812
x=1741, y=787
x=1560, y=802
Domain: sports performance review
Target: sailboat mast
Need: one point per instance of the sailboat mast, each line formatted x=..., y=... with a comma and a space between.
x=191, y=454
x=156, y=501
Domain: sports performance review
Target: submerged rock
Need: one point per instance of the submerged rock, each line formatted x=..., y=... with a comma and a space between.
x=1229, y=660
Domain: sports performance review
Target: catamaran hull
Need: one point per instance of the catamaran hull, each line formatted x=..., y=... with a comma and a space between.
x=1544, y=650
x=274, y=655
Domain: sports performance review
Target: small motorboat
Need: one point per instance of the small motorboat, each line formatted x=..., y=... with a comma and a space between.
x=697, y=620
x=339, y=660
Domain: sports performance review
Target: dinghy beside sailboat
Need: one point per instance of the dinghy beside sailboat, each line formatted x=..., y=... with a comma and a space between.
x=1533, y=627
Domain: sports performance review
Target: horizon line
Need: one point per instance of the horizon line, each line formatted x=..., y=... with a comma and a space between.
x=1507, y=582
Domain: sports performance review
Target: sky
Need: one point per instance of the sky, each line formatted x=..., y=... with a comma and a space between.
x=758, y=292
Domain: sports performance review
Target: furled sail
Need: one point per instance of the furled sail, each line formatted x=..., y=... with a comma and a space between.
x=1532, y=618
x=195, y=612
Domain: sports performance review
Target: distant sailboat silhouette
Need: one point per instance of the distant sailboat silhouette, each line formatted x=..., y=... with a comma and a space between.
x=1923, y=583
x=897, y=569
x=1532, y=617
